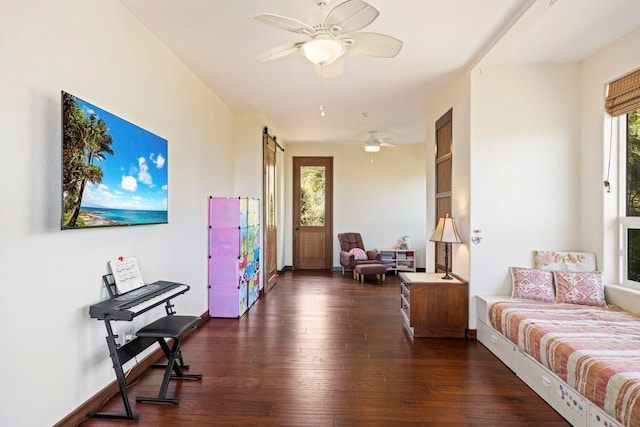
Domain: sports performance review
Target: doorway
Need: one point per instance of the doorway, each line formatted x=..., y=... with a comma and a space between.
x=312, y=213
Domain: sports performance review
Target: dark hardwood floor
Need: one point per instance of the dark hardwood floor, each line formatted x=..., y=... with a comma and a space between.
x=322, y=350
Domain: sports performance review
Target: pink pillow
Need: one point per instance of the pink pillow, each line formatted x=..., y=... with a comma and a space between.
x=358, y=254
x=586, y=288
x=532, y=284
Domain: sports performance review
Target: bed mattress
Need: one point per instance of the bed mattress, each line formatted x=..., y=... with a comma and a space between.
x=596, y=350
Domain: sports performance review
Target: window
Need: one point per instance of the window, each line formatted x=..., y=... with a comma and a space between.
x=630, y=195
x=623, y=104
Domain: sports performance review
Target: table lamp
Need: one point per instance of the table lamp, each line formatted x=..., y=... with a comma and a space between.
x=447, y=233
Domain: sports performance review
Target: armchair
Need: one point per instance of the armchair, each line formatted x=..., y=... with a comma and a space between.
x=350, y=241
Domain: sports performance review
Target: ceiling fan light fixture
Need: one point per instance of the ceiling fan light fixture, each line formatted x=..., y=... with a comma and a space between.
x=371, y=148
x=322, y=50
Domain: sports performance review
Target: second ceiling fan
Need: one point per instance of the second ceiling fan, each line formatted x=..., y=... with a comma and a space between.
x=374, y=143
x=332, y=36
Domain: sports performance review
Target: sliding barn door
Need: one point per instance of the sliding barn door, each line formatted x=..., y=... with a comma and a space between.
x=270, y=226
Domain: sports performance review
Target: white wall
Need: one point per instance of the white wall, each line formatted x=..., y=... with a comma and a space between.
x=525, y=165
x=383, y=200
x=54, y=355
x=524, y=170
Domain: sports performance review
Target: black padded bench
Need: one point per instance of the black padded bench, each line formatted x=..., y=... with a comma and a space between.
x=172, y=327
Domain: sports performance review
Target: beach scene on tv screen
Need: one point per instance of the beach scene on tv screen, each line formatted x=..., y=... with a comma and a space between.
x=114, y=172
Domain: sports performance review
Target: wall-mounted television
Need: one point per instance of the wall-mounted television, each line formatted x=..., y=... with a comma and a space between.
x=114, y=173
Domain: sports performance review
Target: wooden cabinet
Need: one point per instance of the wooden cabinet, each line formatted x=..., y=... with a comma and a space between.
x=434, y=307
x=398, y=259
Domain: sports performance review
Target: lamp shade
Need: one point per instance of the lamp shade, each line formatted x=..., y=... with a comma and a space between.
x=446, y=231
x=372, y=148
x=322, y=50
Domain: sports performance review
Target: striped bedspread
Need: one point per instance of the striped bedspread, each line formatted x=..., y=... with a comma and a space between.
x=596, y=350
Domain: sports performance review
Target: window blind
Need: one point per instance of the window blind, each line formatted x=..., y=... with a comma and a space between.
x=623, y=95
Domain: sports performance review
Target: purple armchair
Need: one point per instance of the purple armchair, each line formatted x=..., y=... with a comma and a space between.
x=349, y=241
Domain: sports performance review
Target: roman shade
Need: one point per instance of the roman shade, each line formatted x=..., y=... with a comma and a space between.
x=623, y=95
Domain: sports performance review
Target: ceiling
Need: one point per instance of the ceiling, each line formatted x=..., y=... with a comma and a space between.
x=217, y=40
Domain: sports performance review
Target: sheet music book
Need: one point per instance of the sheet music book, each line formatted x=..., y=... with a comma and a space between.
x=126, y=274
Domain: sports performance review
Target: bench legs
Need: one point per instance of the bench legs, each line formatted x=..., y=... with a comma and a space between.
x=173, y=355
x=171, y=326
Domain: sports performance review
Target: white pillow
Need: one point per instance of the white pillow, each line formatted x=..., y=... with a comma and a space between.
x=564, y=261
x=358, y=254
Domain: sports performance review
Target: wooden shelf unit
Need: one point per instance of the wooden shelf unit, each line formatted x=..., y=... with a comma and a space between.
x=398, y=260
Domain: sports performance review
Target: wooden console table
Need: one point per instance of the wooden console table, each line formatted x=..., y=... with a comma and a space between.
x=434, y=307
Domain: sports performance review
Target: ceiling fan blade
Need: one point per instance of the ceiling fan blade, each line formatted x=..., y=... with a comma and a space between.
x=372, y=44
x=328, y=71
x=352, y=15
x=387, y=144
x=284, y=23
x=278, y=52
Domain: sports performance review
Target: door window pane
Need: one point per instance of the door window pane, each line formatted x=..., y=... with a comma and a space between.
x=312, y=192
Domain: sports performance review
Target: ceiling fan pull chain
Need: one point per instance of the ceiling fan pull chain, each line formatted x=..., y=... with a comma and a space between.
x=322, y=112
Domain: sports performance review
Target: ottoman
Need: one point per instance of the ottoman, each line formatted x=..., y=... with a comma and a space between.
x=380, y=270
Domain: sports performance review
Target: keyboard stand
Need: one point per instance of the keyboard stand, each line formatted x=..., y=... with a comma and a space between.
x=120, y=356
x=170, y=326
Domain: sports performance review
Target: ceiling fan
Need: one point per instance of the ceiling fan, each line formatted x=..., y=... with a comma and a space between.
x=332, y=36
x=374, y=143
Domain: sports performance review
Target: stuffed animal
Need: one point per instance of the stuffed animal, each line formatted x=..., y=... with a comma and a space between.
x=403, y=243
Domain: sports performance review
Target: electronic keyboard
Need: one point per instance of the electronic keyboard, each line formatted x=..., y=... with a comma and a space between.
x=133, y=303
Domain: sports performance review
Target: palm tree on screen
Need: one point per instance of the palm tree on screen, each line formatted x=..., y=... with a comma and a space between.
x=86, y=140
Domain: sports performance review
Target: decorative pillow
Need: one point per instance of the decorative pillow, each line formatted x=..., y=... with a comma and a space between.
x=565, y=261
x=358, y=254
x=532, y=284
x=574, y=287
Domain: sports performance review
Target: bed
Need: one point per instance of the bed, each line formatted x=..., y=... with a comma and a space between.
x=576, y=348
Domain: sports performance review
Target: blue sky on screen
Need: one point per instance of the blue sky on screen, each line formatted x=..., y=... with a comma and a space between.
x=135, y=177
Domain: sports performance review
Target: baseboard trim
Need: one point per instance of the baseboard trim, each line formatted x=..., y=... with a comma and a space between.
x=97, y=400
